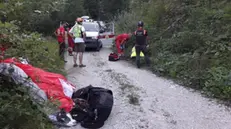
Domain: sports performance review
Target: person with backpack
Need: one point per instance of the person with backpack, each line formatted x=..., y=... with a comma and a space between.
x=78, y=33
x=120, y=40
x=141, y=43
x=60, y=34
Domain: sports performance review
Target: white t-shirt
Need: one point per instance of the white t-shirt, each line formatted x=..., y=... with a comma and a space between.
x=78, y=39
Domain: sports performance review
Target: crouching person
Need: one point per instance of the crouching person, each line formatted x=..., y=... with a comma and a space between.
x=120, y=41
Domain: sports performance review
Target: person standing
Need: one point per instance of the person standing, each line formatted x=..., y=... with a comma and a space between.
x=141, y=43
x=60, y=34
x=78, y=33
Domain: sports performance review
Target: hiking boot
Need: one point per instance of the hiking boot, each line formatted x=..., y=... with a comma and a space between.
x=82, y=65
x=148, y=65
x=138, y=63
x=75, y=65
x=138, y=66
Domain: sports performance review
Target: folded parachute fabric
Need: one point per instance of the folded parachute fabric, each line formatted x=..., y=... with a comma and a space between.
x=90, y=106
x=43, y=85
x=55, y=86
x=20, y=77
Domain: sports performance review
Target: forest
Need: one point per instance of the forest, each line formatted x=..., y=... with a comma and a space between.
x=190, y=42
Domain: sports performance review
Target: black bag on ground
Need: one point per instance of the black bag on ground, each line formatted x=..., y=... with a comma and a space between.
x=93, y=106
x=113, y=57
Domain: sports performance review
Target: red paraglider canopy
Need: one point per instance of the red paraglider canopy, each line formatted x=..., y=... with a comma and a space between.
x=55, y=86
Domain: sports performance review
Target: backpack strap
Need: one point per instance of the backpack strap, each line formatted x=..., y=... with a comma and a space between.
x=99, y=89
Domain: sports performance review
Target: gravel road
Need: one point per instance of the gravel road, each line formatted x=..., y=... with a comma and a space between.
x=145, y=101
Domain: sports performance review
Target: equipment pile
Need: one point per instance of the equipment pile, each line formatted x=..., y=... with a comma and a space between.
x=89, y=106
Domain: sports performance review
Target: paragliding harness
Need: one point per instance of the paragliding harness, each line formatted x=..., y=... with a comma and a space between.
x=93, y=106
x=113, y=57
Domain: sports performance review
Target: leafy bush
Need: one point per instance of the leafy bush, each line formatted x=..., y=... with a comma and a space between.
x=44, y=16
x=41, y=52
x=17, y=108
x=190, y=41
x=33, y=15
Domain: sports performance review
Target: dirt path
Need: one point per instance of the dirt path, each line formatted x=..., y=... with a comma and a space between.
x=144, y=101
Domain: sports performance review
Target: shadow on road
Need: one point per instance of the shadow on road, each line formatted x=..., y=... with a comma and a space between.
x=90, y=50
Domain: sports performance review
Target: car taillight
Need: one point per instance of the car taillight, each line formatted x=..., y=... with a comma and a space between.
x=100, y=37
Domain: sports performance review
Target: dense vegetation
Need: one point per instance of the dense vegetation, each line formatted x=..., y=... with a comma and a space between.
x=190, y=41
x=23, y=27
x=17, y=111
x=16, y=108
x=45, y=15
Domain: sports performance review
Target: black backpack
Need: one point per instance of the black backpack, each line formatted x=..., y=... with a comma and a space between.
x=93, y=106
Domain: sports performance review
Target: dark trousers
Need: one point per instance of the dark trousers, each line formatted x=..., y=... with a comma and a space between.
x=143, y=49
x=61, y=50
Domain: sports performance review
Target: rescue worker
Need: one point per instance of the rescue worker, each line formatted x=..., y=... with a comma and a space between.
x=141, y=43
x=60, y=34
x=120, y=42
x=78, y=33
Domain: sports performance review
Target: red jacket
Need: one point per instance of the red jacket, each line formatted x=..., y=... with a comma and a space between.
x=61, y=32
x=122, y=37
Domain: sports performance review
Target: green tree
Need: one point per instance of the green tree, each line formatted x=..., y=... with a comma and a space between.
x=73, y=9
x=92, y=8
x=32, y=15
x=190, y=40
x=105, y=9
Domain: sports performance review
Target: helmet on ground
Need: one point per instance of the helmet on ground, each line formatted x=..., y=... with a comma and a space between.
x=140, y=24
x=79, y=20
